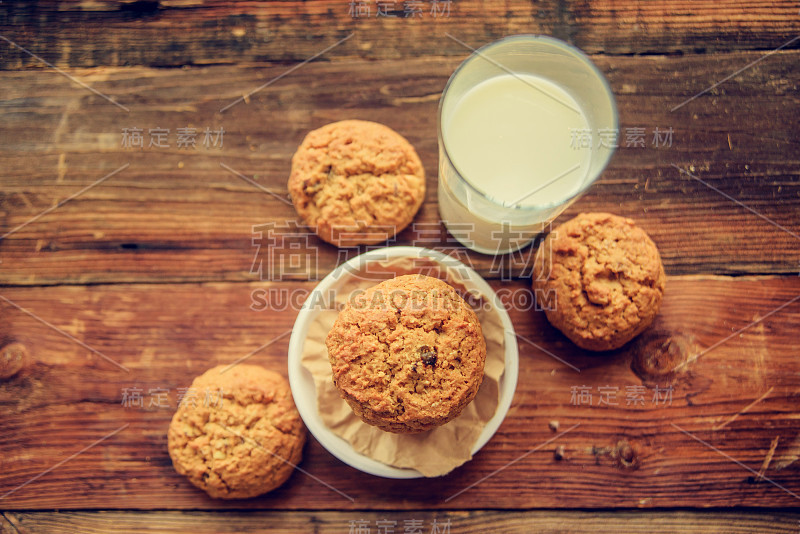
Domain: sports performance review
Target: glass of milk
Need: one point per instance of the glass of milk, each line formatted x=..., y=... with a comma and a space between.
x=526, y=124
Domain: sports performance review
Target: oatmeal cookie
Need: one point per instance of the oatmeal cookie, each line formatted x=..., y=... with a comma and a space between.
x=239, y=434
x=407, y=354
x=356, y=182
x=600, y=280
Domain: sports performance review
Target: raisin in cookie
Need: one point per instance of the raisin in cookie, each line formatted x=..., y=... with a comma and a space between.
x=407, y=354
x=600, y=280
x=356, y=182
x=237, y=433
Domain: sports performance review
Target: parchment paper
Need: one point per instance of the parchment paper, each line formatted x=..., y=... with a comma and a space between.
x=432, y=453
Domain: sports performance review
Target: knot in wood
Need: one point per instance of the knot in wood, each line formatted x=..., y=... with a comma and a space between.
x=659, y=355
x=12, y=359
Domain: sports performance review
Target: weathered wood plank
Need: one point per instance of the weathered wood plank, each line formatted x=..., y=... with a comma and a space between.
x=174, y=214
x=88, y=34
x=6, y=527
x=641, y=27
x=112, y=33
x=625, y=453
x=544, y=522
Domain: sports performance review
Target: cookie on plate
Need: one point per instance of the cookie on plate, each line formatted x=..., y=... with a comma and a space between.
x=407, y=354
x=600, y=279
x=237, y=433
x=356, y=182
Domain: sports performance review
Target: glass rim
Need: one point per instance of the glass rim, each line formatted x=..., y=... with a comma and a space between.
x=557, y=43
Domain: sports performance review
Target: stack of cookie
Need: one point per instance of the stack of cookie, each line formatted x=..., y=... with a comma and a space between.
x=408, y=354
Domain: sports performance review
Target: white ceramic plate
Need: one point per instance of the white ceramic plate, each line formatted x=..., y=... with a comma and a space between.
x=302, y=384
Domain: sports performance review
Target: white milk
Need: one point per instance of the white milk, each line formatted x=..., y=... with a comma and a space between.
x=512, y=138
x=511, y=135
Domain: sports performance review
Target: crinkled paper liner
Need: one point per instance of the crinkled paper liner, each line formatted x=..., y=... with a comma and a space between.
x=432, y=453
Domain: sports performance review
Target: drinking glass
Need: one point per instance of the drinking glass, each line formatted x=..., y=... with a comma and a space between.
x=504, y=206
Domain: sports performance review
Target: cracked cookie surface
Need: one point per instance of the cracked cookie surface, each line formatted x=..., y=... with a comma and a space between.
x=238, y=433
x=600, y=279
x=356, y=182
x=407, y=354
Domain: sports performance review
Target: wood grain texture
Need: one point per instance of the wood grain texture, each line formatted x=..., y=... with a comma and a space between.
x=156, y=268
x=655, y=27
x=82, y=33
x=176, y=215
x=542, y=522
x=6, y=527
x=623, y=454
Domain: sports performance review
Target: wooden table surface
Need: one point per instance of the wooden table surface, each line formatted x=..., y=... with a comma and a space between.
x=126, y=271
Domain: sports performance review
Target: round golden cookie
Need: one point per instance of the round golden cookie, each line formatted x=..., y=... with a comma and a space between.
x=237, y=433
x=600, y=280
x=407, y=354
x=356, y=182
